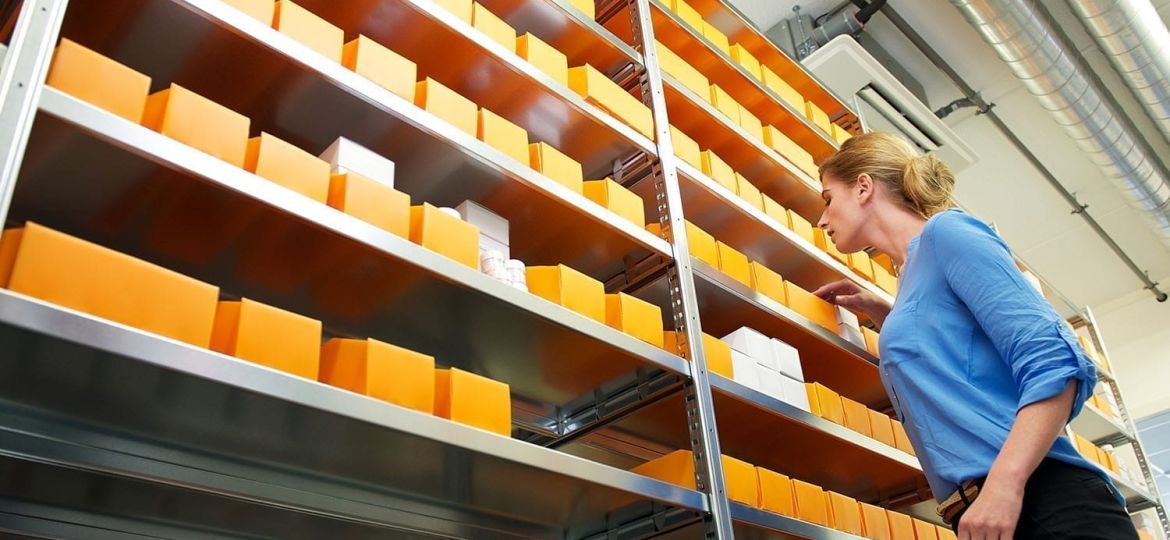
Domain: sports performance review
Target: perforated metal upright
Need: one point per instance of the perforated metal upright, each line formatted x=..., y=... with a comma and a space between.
x=684, y=304
x=1154, y=498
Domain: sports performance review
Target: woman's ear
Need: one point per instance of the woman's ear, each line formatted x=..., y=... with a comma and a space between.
x=865, y=187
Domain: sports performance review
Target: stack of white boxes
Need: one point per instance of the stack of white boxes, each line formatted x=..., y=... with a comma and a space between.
x=767, y=365
x=345, y=156
x=849, y=327
x=494, y=248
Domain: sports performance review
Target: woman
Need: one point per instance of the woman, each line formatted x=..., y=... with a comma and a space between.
x=981, y=369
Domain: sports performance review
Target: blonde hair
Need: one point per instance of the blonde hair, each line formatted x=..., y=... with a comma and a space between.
x=922, y=184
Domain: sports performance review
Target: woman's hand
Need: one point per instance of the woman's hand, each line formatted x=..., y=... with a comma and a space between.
x=993, y=516
x=849, y=295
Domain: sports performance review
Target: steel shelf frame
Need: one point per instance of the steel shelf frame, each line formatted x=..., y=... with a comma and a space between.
x=774, y=110
x=47, y=442
x=736, y=26
x=229, y=445
x=1136, y=497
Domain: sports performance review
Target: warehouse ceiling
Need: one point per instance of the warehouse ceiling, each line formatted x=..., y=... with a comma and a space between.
x=1002, y=187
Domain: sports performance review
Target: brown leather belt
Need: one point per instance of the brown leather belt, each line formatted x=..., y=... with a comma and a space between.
x=960, y=500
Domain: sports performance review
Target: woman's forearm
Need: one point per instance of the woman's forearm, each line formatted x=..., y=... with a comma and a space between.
x=1031, y=437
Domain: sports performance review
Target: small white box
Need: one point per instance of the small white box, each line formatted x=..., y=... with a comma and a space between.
x=753, y=344
x=744, y=370
x=487, y=244
x=772, y=383
x=795, y=394
x=490, y=223
x=788, y=358
x=846, y=317
x=851, y=334
x=345, y=155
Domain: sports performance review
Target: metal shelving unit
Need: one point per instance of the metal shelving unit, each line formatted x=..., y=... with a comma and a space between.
x=178, y=441
x=773, y=174
x=1105, y=430
x=738, y=29
x=719, y=211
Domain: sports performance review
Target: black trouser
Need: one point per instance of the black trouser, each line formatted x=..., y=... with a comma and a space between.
x=1070, y=503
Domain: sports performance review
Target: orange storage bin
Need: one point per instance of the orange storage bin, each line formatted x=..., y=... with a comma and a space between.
x=385, y=67
x=55, y=267
x=635, y=317
x=282, y=163
x=447, y=104
x=270, y=336
x=261, y=10
x=844, y=514
x=811, y=504
x=370, y=201
x=444, y=234
x=776, y=493
x=380, y=370
x=470, y=399
x=309, y=29
x=546, y=58
x=552, y=163
x=567, y=287
x=87, y=75
x=734, y=263
x=198, y=122
x=503, y=135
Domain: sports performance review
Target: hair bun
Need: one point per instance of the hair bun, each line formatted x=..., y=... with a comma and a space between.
x=928, y=183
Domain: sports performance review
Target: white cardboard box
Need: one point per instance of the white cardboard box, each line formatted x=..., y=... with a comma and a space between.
x=795, y=394
x=844, y=316
x=345, y=155
x=753, y=344
x=493, y=229
x=852, y=335
x=772, y=383
x=487, y=243
x=788, y=359
x=744, y=370
x=849, y=327
x=490, y=223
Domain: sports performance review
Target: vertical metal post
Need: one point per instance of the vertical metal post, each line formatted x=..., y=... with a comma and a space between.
x=21, y=81
x=1151, y=484
x=680, y=278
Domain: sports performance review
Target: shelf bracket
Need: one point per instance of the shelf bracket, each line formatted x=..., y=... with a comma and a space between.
x=644, y=520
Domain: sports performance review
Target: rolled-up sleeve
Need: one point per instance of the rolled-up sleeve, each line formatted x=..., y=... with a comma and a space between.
x=1042, y=353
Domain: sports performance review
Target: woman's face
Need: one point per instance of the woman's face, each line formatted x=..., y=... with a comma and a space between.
x=844, y=217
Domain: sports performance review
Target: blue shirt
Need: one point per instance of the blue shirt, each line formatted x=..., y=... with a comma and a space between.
x=967, y=344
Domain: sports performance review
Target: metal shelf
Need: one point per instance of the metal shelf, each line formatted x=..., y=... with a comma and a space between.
x=771, y=433
x=1136, y=497
x=725, y=305
x=208, y=219
x=1095, y=425
x=749, y=91
x=491, y=75
x=731, y=219
x=570, y=31
x=756, y=524
x=302, y=97
x=767, y=432
x=85, y=394
x=738, y=30
x=774, y=175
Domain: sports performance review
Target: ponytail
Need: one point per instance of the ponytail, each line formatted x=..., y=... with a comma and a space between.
x=927, y=183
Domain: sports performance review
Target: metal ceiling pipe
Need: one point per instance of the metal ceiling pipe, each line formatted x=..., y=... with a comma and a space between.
x=1137, y=43
x=1026, y=42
